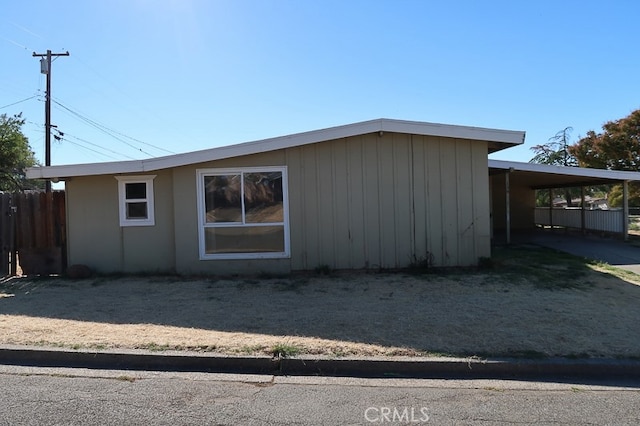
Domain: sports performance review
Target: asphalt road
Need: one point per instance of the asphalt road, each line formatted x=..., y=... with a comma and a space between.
x=43, y=396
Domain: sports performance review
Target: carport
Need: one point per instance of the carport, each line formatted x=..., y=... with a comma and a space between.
x=513, y=204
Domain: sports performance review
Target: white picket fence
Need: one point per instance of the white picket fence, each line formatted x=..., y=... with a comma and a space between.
x=595, y=220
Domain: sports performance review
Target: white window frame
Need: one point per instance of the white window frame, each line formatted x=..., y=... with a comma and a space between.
x=122, y=201
x=202, y=223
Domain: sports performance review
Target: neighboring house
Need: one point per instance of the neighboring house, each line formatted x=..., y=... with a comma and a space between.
x=376, y=194
x=591, y=203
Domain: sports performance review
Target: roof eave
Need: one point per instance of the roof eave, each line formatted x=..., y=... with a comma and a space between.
x=504, y=138
x=564, y=170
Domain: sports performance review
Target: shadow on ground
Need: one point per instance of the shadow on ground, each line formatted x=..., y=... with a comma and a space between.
x=527, y=302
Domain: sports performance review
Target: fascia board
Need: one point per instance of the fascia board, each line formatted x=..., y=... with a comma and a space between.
x=511, y=137
x=379, y=125
x=90, y=169
x=563, y=170
x=265, y=145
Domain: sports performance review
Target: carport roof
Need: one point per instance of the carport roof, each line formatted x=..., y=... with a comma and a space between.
x=540, y=176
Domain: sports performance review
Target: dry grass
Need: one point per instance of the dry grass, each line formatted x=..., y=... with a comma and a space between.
x=532, y=302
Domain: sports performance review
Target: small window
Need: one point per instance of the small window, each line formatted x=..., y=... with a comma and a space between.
x=135, y=195
x=243, y=213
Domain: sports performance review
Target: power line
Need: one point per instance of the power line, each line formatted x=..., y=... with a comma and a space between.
x=142, y=142
x=101, y=128
x=105, y=128
x=116, y=90
x=89, y=149
x=15, y=43
x=111, y=132
x=64, y=137
x=16, y=103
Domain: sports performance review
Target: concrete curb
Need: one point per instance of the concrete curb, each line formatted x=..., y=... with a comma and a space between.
x=450, y=368
x=466, y=369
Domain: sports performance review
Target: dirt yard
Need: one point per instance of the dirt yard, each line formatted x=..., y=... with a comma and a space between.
x=530, y=302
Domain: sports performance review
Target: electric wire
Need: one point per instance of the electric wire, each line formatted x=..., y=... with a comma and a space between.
x=41, y=97
x=117, y=90
x=64, y=137
x=18, y=102
x=111, y=132
x=90, y=149
x=101, y=128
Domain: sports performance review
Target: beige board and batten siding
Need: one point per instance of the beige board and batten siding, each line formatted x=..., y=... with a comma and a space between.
x=370, y=201
x=366, y=201
x=98, y=240
x=386, y=201
x=187, y=256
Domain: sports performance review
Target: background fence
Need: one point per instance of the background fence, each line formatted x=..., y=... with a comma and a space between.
x=595, y=220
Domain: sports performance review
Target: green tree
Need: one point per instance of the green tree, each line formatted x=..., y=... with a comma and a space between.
x=617, y=147
x=15, y=155
x=615, y=196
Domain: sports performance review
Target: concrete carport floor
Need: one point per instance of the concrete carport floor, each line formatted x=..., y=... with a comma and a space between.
x=612, y=250
x=513, y=187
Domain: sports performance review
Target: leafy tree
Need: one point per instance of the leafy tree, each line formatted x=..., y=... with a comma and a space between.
x=616, y=148
x=615, y=197
x=15, y=155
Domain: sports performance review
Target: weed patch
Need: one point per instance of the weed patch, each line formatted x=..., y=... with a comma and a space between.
x=154, y=347
x=284, y=350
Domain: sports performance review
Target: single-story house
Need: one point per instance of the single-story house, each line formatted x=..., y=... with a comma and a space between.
x=370, y=195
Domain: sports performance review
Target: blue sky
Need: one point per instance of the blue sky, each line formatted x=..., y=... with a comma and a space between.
x=171, y=76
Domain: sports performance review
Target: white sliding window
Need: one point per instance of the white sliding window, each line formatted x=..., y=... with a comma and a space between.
x=243, y=213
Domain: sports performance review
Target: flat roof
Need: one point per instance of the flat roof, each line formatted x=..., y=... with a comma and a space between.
x=497, y=139
x=540, y=176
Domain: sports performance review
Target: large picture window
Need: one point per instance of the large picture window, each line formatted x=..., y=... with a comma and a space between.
x=243, y=213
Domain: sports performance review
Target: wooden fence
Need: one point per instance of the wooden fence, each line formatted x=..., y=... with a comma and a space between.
x=33, y=233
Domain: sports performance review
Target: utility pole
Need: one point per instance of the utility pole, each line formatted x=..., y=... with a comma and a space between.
x=45, y=68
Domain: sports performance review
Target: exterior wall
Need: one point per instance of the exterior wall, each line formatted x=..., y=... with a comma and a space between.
x=522, y=206
x=370, y=201
x=96, y=238
x=186, y=221
x=384, y=201
x=363, y=202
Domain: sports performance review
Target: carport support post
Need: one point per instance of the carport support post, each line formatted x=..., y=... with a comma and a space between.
x=625, y=210
x=508, y=204
x=582, y=213
x=551, y=208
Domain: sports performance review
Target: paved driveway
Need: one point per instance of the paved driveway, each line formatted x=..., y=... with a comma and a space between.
x=610, y=250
